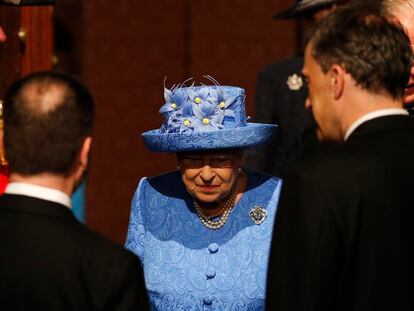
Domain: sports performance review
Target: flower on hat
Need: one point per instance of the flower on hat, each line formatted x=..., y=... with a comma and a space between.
x=173, y=102
x=205, y=117
x=197, y=108
x=225, y=104
x=198, y=96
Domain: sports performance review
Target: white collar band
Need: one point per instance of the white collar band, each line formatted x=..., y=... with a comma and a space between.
x=39, y=192
x=374, y=115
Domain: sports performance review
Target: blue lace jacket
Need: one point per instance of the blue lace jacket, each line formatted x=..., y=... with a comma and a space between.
x=190, y=267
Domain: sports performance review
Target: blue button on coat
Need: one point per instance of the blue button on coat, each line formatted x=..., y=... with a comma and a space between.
x=213, y=247
x=177, y=250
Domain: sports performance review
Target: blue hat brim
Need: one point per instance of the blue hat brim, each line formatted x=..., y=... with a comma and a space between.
x=240, y=137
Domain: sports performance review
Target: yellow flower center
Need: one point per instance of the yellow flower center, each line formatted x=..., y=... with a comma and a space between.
x=206, y=121
x=197, y=100
x=187, y=122
x=173, y=105
x=222, y=105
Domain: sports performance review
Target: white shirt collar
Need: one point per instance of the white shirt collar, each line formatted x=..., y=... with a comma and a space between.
x=374, y=115
x=39, y=192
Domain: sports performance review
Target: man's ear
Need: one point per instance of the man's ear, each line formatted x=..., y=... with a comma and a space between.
x=337, y=74
x=84, y=152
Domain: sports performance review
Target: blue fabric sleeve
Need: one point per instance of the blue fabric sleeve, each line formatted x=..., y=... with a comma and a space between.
x=136, y=228
x=274, y=201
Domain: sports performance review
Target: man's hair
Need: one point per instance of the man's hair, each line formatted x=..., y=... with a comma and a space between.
x=308, y=14
x=47, y=116
x=374, y=51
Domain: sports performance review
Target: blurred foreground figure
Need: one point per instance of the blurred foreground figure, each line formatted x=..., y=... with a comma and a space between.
x=343, y=230
x=48, y=260
x=78, y=198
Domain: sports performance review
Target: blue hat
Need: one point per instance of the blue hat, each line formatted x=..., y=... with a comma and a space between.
x=204, y=118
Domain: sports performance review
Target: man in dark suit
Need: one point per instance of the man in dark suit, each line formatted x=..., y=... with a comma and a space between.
x=48, y=260
x=343, y=230
x=280, y=99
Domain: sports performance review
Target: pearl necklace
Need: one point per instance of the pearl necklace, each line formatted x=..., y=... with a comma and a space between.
x=207, y=221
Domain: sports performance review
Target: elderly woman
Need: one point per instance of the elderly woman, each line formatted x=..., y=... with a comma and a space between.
x=203, y=232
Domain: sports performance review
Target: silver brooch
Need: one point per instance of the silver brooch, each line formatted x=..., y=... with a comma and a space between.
x=294, y=82
x=258, y=214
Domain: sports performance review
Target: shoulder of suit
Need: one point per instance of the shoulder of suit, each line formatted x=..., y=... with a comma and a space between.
x=324, y=164
x=96, y=245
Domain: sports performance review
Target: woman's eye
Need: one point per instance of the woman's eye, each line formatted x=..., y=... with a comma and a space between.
x=193, y=162
x=214, y=162
x=222, y=162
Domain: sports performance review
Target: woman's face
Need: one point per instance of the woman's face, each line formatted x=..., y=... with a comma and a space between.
x=209, y=175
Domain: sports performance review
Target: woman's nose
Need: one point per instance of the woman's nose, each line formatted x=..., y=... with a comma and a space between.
x=206, y=173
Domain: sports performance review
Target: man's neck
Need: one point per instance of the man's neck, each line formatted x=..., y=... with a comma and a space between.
x=373, y=115
x=48, y=180
x=362, y=103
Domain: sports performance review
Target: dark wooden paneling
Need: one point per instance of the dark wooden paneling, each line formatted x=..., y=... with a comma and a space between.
x=38, y=42
x=68, y=32
x=20, y=56
x=10, y=51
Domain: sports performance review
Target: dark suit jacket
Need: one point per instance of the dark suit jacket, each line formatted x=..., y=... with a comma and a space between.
x=344, y=233
x=50, y=261
x=276, y=103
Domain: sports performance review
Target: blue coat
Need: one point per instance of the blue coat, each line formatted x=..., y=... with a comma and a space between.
x=190, y=267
